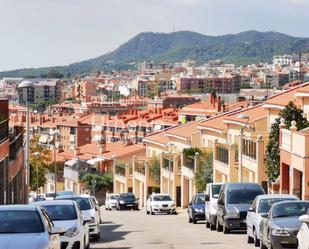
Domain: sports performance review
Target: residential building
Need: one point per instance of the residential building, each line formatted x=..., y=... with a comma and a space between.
x=13, y=188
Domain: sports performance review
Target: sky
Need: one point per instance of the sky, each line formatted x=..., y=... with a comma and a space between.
x=36, y=33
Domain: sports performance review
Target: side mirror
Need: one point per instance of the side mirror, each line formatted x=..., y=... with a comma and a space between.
x=304, y=218
x=190, y=203
x=96, y=208
x=207, y=198
x=56, y=230
x=266, y=216
x=251, y=210
x=137, y=198
x=86, y=218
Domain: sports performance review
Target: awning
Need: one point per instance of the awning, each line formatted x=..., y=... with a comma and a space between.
x=95, y=160
x=43, y=139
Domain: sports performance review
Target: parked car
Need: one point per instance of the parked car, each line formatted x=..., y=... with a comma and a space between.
x=67, y=215
x=233, y=204
x=50, y=196
x=302, y=236
x=88, y=209
x=27, y=226
x=97, y=206
x=211, y=200
x=279, y=228
x=127, y=201
x=196, y=208
x=111, y=201
x=160, y=203
x=62, y=193
x=261, y=205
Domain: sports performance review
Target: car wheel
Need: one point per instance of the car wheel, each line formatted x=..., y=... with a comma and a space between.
x=151, y=212
x=106, y=209
x=218, y=227
x=86, y=246
x=97, y=237
x=262, y=246
x=194, y=219
x=207, y=224
x=147, y=212
x=212, y=227
x=225, y=229
x=250, y=240
x=256, y=240
x=175, y=213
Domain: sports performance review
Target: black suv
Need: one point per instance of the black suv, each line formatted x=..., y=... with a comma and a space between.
x=127, y=201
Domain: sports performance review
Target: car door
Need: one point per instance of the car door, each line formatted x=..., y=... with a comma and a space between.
x=54, y=240
x=221, y=206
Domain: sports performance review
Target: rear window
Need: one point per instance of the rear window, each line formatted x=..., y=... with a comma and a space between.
x=18, y=221
x=265, y=204
x=200, y=199
x=61, y=212
x=242, y=196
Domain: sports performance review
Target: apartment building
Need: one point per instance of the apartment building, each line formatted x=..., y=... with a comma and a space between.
x=229, y=84
x=40, y=91
x=13, y=189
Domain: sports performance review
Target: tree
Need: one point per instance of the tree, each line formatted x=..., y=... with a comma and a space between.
x=272, y=155
x=103, y=182
x=203, y=174
x=43, y=163
x=155, y=170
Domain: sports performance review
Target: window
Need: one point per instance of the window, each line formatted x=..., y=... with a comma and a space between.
x=61, y=212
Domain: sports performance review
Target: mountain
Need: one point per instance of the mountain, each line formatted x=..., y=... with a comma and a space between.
x=241, y=48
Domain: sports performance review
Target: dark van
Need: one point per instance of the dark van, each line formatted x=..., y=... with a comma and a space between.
x=233, y=204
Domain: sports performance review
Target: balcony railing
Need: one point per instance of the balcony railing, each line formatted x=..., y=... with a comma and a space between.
x=4, y=130
x=249, y=148
x=120, y=170
x=188, y=162
x=168, y=164
x=15, y=146
x=140, y=168
x=222, y=154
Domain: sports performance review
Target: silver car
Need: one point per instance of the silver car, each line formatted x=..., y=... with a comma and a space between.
x=261, y=205
x=26, y=226
x=280, y=226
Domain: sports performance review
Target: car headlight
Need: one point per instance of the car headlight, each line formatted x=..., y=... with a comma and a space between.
x=173, y=205
x=280, y=232
x=198, y=210
x=155, y=205
x=232, y=214
x=73, y=231
x=121, y=202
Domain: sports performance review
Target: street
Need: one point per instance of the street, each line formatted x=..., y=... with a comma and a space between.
x=135, y=229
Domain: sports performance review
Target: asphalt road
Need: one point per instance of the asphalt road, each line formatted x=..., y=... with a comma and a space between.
x=135, y=229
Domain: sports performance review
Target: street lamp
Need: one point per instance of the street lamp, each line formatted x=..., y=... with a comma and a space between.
x=37, y=154
x=246, y=117
x=26, y=85
x=55, y=133
x=169, y=168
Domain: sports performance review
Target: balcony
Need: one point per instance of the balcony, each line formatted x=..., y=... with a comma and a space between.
x=222, y=154
x=15, y=146
x=168, y=164
x=188, y=162
x=4, y=130
x=249, y=149
x=120, y=169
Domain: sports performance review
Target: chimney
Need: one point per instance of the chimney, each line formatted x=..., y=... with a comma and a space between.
x=76, y=151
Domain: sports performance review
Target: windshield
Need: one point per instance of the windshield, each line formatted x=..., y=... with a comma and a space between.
x=50, y=195
x=83, y=203
x=242, y=196
x=113, y=197
x=127, y=196
x=200, y=199
x=61, y=212
x=17, y=221
x=162, y=198
x=265, y=204
x=290, y=209
x=216, y=190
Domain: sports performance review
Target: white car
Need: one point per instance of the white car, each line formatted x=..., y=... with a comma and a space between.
x=111, y=201
x=67, y=215
x=302, y=236
x=261, y=205
x=211, y=199
x=88, y=210
x=160, y=203
x=49, y=196
x=27, y=226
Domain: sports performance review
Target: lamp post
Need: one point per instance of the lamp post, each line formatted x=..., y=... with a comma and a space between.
x=26, y=85
x=169, y=168
x=37, y=154
x=246, y=117
x=55, y=133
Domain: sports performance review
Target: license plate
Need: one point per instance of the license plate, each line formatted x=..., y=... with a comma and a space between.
x=130, y=205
